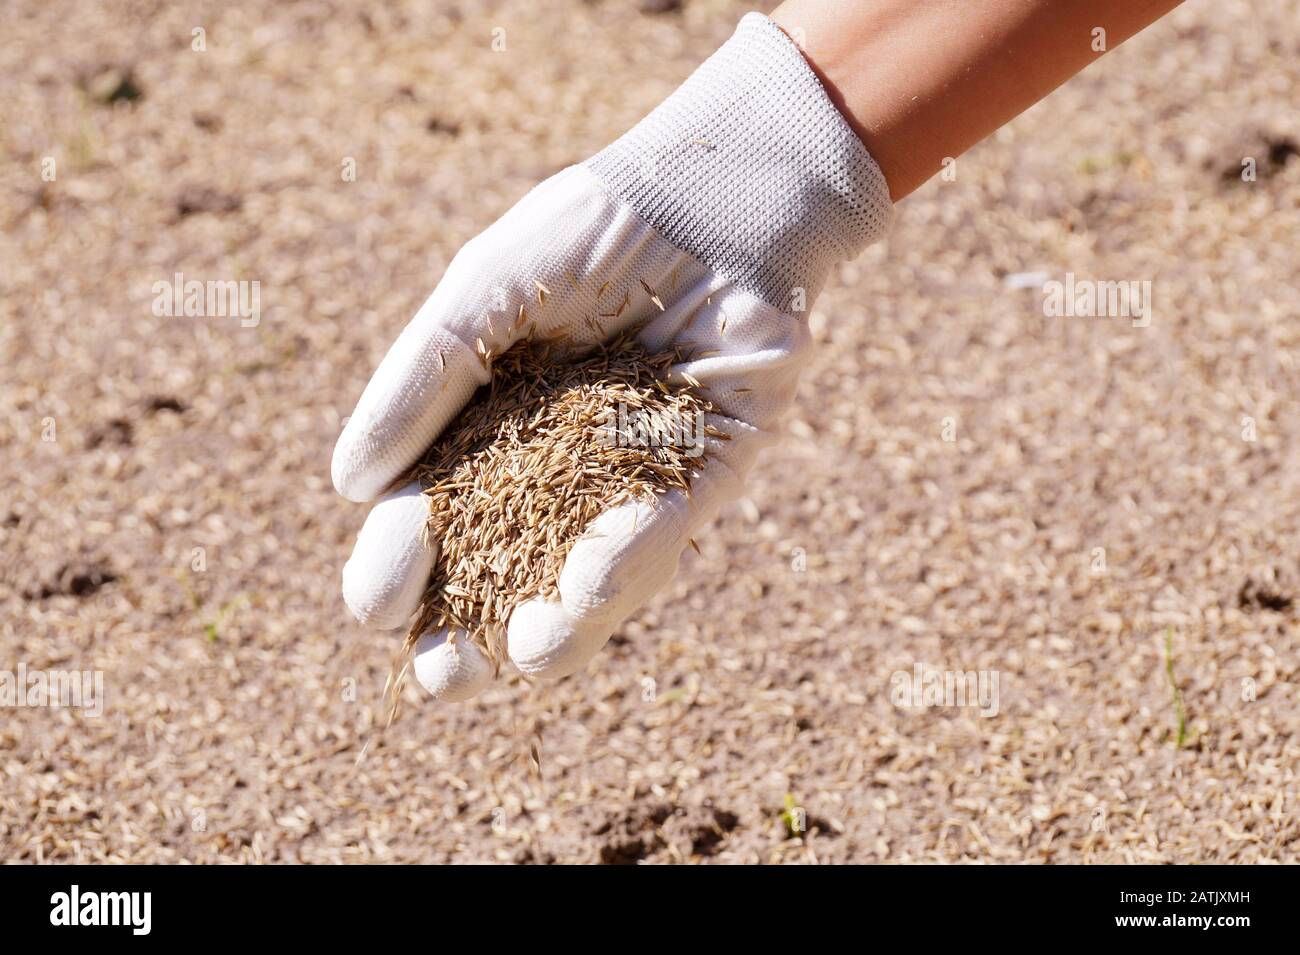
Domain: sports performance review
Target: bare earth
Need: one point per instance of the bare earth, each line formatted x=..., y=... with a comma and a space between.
x=167, y=518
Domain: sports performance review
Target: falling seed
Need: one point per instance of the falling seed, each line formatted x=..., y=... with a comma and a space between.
x=542, y=292
x=695, y=546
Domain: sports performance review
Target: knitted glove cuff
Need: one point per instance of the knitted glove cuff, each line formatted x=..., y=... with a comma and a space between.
x=752, y=169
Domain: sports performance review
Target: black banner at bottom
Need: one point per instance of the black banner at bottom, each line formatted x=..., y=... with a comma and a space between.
x=1219, y=905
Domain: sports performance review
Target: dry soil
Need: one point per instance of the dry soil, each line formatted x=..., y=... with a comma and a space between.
x=967, y=484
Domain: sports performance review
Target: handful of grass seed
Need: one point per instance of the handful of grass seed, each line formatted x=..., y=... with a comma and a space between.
x=541, y=451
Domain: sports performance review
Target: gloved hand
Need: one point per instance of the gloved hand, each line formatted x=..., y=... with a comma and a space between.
x=715, y=220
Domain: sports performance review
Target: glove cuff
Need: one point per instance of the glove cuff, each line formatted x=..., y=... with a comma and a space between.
x=752, y=169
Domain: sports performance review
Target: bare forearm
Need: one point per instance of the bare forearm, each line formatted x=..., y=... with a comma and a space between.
x=921, y=80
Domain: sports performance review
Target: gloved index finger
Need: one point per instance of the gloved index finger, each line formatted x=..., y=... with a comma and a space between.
x=428, y=375
x=567, y=261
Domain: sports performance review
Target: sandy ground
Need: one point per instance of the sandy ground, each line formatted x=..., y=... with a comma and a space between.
x=967, y=484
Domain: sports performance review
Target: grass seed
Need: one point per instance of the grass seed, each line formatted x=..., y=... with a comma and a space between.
x=537, y=455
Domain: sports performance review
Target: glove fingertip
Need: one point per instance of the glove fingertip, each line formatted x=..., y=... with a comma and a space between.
x=452, y=671
x=545, y=640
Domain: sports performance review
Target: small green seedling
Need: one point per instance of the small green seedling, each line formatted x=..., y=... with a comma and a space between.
x=794, y=817
x=212, y=627
x=1179, y=709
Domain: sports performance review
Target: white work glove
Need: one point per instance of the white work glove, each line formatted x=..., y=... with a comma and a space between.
x=729, y=204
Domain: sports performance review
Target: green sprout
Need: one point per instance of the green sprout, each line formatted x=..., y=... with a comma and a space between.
x=793, y=817
x=212, y=626
x=1179, y=709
